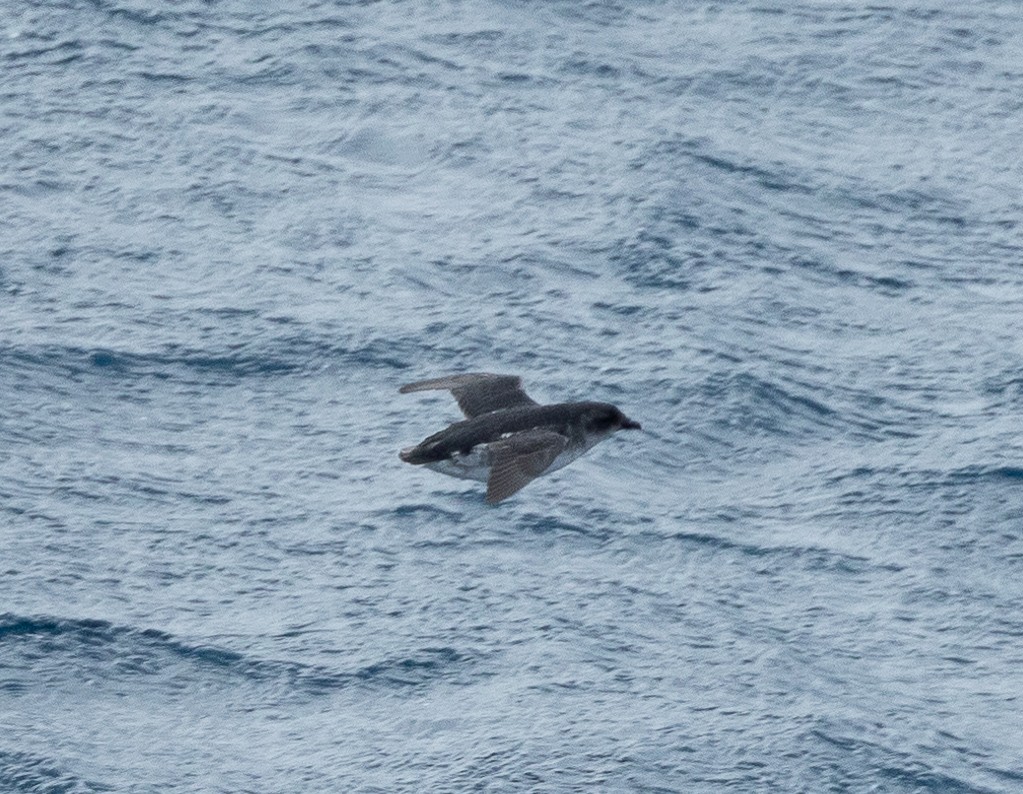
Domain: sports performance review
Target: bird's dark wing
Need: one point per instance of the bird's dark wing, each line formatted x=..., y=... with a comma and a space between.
x=519, y=459
x=477, y=392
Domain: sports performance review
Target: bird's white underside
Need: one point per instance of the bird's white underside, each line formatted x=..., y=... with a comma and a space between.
x=476, y=464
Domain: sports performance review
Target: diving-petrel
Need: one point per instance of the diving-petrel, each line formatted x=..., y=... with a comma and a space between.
x=507, y=440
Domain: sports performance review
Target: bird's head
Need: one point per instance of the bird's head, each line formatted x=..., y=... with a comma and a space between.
x=604, y=419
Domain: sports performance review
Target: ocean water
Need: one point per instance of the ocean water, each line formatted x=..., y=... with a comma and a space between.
x=785, y=236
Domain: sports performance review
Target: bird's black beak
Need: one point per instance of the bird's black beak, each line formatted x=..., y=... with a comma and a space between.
x=628, y=424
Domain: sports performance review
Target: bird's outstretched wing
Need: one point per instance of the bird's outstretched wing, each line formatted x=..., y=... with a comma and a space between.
x=519, y=459
x=477, y=392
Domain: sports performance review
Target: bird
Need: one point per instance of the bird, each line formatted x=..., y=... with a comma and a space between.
x=507, y=439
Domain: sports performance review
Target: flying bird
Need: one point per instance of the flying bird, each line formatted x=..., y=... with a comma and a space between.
x=507, y=439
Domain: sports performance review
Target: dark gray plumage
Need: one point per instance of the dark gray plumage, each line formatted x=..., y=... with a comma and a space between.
x=507, y=440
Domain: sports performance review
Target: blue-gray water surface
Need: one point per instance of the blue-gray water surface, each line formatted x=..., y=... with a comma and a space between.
x=785, y=236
